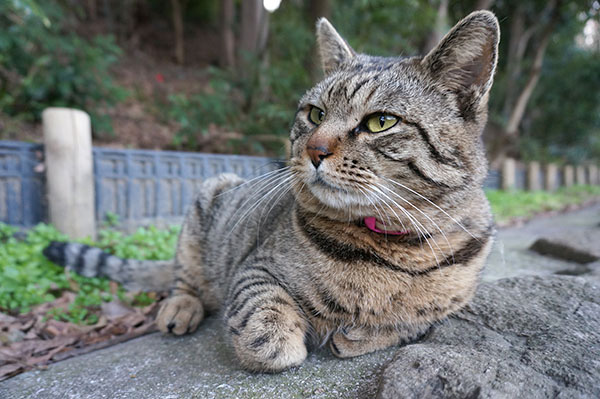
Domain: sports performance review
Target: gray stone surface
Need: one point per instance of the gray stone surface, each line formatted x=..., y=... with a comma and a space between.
x=582, y=246
x=203, y=366
x=198, y=366
x=511, y=255
x=526, y=337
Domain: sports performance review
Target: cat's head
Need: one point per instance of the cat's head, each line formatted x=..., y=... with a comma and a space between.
x=375, y=124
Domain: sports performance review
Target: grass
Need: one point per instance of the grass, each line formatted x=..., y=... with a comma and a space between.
x=507, y=205
x=28, y=278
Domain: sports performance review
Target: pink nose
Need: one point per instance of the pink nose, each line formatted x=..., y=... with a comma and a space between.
x=319, y=148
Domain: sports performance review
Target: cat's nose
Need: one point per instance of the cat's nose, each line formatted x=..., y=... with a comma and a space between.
x=319, y=148
x=318, y=154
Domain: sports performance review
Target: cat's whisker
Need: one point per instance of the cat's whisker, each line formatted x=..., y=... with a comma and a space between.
x=434, y=204
x=256, y=189
x=273, y=204
x=422, y=213
x=278, y=183
x=366, y=194
x=253, y=180
x=421, y=230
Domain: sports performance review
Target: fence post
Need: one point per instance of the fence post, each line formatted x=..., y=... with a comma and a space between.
x=69, y=171
x=508, y=174
x=533, y=176
x=551, y=178
x=593, y=174
x=569, y=176
x=580, y=175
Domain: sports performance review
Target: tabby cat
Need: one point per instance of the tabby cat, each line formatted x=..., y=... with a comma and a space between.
x=377, y=229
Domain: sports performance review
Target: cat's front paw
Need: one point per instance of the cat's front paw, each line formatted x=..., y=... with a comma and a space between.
x=180, y=314
x=272, y=340
x=350, y=343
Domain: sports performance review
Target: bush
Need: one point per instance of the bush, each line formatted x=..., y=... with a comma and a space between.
x=43, y=64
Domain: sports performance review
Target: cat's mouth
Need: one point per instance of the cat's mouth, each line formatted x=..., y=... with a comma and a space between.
x=331, y=194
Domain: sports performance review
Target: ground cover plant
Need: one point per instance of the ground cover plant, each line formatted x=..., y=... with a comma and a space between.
x=519, y=204
x=47, y=313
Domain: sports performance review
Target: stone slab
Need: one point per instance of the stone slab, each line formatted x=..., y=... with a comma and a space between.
x=526, y=337
x=202, y=365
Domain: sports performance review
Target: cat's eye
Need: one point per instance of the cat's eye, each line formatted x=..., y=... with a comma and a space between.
x=380, y=122
x=316, y=115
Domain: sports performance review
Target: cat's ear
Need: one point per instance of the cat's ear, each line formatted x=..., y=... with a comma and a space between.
x=333, y=49
x=465, y=59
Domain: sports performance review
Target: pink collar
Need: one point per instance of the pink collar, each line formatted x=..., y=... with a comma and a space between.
x=370, y=223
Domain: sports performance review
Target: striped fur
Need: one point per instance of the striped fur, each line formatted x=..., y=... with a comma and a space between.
x=287, y=258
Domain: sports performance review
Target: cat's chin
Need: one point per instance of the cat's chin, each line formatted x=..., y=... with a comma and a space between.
x=337, y=198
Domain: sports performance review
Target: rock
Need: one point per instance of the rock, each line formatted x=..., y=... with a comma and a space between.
x=580, y=246
x=526, y=337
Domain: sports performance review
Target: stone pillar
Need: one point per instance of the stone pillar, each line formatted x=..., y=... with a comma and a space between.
x=533, y=176
x=593, y=174
x=569, y=176
x=508, y=174
x=551, y=178
x=69, y=171
x=580, y=175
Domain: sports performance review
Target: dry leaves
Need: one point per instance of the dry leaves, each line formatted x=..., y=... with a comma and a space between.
x=33, y=340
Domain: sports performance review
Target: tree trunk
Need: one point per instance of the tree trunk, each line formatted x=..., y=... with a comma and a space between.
x=316, y=9
x=484, y=4
x=178, y=27
x=521, y=104
x=251, y=31
x=227, y=37
x=439, y=29
x=92, y=10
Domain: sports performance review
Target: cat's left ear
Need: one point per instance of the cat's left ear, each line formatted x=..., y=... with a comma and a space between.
x=465, y=59
x=333, y=49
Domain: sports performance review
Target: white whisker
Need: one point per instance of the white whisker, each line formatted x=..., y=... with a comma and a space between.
x=435, y=205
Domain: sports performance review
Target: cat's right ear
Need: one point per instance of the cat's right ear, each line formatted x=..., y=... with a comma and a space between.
x=465, y=59
x=333, y=49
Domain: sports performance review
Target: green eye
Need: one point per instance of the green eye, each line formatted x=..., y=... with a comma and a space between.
x=380, y=122
x=316, y=115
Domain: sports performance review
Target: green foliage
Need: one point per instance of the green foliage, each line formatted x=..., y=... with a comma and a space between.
x=29, y=279
x=44, y=63
x=507, y=205
x=385, y=27
x=196, y=112
x=565, y=119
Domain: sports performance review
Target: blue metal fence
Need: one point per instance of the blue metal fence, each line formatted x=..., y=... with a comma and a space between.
x=22, y=178
x=136, y=185
x=139, y=186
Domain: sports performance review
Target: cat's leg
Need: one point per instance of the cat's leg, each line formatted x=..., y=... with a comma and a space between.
x=359, y=341
x=183, y=311
x=265, y=323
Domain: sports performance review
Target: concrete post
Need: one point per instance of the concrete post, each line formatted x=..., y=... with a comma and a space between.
x=593, y=174
x=533, y=176
x=69, y=171
x=551, y=178
x=508, y=174
x=569, y=176
x=580, y=175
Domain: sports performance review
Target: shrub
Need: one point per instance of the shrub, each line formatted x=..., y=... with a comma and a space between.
x=43, y=64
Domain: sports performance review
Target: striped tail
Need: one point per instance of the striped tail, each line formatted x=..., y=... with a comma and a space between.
x=134, y=275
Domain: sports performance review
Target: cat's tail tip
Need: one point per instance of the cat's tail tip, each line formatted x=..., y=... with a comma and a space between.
x=55, y=252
